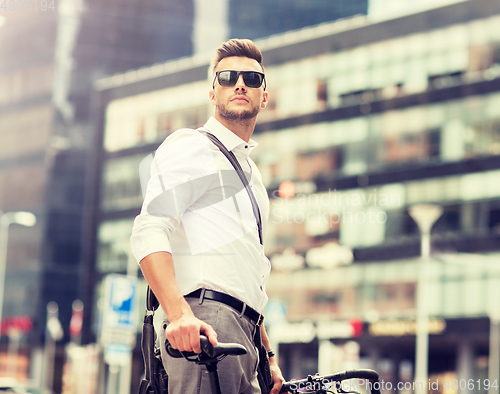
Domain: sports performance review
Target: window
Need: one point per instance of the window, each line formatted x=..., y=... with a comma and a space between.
x=322, y=93
x=445, y=80
x=23, y=186
x=113, y=250
x=168, y=122
x=483, y=139
x=26, y=83
x=449, y=220
x=25, y=131
x=494, y=217
x=121, y=183
x=148, y=118
x=415, y=147
x=480, y=57
x=310, y=165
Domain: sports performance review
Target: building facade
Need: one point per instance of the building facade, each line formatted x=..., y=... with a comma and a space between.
x=366, y=119
x=50, y=56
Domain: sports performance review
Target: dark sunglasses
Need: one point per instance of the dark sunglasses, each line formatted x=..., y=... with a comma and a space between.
x=252, y=79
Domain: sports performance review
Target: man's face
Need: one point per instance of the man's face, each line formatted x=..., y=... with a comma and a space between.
x=238, y=102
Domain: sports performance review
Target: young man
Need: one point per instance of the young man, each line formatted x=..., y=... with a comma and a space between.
x=197, y=238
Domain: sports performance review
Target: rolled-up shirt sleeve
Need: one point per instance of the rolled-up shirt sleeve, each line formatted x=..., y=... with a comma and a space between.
x=179, y=175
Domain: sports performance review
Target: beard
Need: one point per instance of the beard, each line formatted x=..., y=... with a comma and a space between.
x=237, y=115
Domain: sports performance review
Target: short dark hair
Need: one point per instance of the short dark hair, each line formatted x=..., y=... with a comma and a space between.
x=237, y=47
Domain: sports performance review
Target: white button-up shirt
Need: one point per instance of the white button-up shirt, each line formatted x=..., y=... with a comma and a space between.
x=196, y=208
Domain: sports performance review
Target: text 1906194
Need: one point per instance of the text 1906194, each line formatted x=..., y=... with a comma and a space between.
x=27, y=5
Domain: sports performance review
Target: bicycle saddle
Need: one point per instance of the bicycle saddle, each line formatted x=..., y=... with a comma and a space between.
x=207, y=349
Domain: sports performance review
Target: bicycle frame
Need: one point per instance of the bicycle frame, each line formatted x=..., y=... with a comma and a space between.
x=209, y=357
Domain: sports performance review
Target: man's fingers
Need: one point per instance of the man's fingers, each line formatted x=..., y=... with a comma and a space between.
x=275, y=390
x=276, y=387
x=194, y=338
x=170, y=337
x=190, y=339
x=179, y=338
x=278, y=379
x=172, y=343
x=185, y=336
x=210, y=333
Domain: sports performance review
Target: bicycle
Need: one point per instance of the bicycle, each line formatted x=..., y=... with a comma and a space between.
x=211, y=355
x=156, y=380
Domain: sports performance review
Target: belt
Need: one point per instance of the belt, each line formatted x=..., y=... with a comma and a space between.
x=228, y=300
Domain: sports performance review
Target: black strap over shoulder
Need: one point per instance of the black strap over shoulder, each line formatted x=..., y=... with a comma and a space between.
x=152, y=303
x=232, y=159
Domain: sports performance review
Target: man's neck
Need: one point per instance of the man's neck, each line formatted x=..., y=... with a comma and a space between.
x=242, y=128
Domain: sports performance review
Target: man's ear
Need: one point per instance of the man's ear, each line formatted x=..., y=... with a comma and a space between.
x=211, y=95
x=265, y=100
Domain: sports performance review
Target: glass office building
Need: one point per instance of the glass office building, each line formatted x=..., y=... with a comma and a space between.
x=366, y=119
x=49, y=58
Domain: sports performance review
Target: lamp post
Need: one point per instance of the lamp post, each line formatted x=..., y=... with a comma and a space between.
x=53, y=333
x=6, y=219
x=425, y=216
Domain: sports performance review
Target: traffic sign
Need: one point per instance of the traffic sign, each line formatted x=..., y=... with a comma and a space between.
x=119, y=319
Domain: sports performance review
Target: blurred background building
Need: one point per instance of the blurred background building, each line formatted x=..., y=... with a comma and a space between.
x=368, y=116
x=50, y=54
x=366, y=119
x=218, y=20
x=49, y=58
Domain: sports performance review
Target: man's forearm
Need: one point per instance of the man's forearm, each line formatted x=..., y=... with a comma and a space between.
x=158, y=269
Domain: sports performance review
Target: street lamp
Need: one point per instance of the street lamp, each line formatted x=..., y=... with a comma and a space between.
x=425, y=216
x=6, y=219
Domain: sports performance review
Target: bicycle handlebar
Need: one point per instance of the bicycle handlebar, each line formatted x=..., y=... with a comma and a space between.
x=368, y=374
x=207, y=349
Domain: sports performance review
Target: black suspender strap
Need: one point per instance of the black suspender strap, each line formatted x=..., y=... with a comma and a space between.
x=232, y=159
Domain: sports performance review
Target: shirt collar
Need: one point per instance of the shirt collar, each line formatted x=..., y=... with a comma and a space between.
x=230, y=140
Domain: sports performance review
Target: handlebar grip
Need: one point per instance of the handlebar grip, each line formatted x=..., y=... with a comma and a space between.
x=208, y=350
x=206, y=347
x=172, y=352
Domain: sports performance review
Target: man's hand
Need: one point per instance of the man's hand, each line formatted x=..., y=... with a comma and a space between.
x=184, y=333
x=276, y=375
x=184, y=329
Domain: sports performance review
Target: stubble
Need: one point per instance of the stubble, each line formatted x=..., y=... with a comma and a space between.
x=238, y=115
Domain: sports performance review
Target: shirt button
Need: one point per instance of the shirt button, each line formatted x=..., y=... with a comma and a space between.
x=246, y=146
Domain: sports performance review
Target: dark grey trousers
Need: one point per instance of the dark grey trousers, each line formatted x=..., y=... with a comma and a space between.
x=237, y=374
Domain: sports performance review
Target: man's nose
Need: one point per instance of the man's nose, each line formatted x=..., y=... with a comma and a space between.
x=240, y=84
